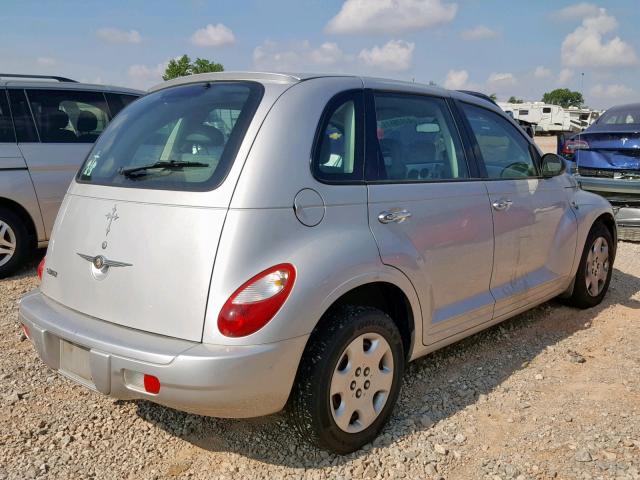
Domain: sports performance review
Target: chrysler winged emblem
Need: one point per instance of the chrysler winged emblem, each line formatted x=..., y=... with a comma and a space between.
x=102, y=263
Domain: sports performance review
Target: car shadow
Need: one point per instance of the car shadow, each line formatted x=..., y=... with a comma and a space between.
x=435, y=387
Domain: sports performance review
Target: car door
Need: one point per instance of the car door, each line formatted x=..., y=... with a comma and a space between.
x=428, y=211
x=534, y=226
x=67, y=123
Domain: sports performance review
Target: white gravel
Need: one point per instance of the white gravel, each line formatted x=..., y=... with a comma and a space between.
x=553, y=393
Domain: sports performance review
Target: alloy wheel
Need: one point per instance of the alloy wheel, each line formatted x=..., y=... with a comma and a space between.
x=7, y=243
x=597, y=268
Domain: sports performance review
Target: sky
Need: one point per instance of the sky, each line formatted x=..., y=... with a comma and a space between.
x=508, y=47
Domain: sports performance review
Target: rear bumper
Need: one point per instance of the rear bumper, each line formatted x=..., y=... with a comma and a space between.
x=618, y=186
x=624, y=196
x=223, y=381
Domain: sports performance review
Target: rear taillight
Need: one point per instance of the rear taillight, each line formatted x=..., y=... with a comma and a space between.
x=571, y=146
x=151, y=384
x=257, y=301
x=41, y=267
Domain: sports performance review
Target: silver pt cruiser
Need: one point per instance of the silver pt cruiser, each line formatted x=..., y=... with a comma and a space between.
x=240, y=242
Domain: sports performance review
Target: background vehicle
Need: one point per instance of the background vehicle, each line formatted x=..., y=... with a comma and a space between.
x=47, y=127
x=240, y=242
x=607, y=157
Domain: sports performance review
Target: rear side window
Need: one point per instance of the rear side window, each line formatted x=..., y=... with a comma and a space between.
x=338, y=151
x=117, y=101
x=6, y=126
x=180, y=138
x=22, y=120
x=417, y=139
x=64, y=116
x=505, y=151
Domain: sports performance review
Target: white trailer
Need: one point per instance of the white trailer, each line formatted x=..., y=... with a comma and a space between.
x=548, y=118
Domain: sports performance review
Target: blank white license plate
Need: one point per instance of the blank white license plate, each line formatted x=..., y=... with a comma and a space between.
x=75, y=361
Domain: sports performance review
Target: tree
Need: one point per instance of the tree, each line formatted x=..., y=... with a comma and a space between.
x=494, y=97
x=563, y=97
x=513, y=99
x=183, y=67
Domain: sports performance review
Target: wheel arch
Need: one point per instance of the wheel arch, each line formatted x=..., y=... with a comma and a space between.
x=393, y=294
x=19, y=210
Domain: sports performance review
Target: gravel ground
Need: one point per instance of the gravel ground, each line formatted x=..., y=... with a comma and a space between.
x=553, y=393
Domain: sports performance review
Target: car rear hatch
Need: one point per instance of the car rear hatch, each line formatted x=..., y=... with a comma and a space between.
x=136, y=246
x=611, y=151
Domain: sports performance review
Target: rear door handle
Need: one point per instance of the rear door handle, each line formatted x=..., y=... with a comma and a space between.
x=502, y=204
x=397, y=216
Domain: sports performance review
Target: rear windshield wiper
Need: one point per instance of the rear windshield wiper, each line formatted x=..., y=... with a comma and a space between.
x=170, y=165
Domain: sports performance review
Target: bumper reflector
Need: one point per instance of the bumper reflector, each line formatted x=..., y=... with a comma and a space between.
x=142, y=382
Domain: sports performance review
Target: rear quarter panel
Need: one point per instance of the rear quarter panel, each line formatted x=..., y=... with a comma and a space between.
x=261, y=228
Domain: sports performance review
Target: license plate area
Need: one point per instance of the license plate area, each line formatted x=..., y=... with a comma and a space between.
x=75, y=363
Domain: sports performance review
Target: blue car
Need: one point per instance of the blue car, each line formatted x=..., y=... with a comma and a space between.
x=607, y=158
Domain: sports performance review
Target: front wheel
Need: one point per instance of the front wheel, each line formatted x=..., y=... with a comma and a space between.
x=596, y=265
x=348, y=380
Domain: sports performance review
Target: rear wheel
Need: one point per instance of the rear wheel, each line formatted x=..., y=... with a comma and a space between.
x=594, y=272
x=14, y=242
x=349, y=379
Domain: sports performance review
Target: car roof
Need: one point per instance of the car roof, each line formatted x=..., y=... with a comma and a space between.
x=292, y=78
x=626, y=106
x=60, y=83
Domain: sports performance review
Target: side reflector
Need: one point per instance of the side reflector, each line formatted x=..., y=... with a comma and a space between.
x=256, y=302
x=41, y=267
x=151, y=384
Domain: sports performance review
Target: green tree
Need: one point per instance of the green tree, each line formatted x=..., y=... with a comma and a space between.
x=494, y=97
x=183, y=67
x=513, y=99
x=563, y=97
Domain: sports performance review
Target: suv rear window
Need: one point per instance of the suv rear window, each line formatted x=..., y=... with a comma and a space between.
x=180, y=138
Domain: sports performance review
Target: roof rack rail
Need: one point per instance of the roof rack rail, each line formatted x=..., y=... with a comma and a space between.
x=48, y=77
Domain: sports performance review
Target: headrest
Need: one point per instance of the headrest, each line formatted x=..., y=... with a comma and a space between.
x=56, y=119
x=87, y=121
x=206, y=134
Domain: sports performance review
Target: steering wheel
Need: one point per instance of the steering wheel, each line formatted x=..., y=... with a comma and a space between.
x=519, y=167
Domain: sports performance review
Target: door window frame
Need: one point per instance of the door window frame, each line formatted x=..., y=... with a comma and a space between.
x=479, y=160
x=357, y=176
x=5, y=94
x=372, y=148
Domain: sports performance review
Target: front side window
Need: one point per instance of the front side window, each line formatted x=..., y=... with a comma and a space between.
x=64, y=116
x=338, y=150
x=505, y=151
x=6, y=126
x=180, y=138
x=417, y=139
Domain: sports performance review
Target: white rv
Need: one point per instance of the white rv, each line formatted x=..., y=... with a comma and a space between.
x=548, y=118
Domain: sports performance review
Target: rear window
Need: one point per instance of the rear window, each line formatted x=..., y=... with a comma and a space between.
x=181, y=138
x=626, y=116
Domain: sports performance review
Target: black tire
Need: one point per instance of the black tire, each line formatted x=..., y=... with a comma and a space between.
x=581, y=298
x=22, y=242
x=310, y=405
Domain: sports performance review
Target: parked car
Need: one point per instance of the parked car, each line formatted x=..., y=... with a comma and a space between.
x=238, y=242
x=607, y=158
x=47, y=127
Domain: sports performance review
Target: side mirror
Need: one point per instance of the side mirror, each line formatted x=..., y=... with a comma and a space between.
x=552, y=165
